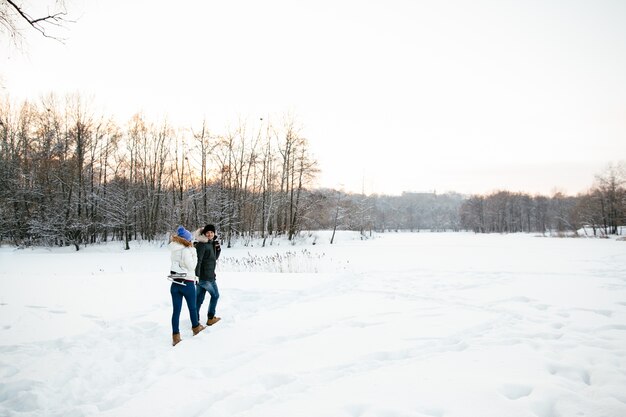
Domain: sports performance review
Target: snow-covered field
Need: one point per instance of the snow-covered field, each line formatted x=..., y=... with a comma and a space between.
x=400, y=325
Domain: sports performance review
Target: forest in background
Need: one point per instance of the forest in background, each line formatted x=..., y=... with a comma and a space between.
x=69, y=176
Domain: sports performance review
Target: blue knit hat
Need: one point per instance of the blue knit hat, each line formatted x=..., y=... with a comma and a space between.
x=184, y=233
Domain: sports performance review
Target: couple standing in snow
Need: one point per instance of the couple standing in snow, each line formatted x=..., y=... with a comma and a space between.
x=194, y=264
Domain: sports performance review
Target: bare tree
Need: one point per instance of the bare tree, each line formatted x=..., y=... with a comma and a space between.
x=13, y=17
x=610, y=187
x=268, y=180
x=205, y=145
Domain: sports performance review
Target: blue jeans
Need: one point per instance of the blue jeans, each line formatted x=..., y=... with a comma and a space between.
x=178, y=292
x=202, y=288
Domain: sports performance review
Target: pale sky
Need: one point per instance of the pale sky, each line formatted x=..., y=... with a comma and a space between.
x=467, y=96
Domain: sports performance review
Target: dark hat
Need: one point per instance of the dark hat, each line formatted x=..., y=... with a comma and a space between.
x=208, y=228
x=184, y=233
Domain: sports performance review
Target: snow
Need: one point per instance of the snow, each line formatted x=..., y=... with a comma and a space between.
x=403, y=324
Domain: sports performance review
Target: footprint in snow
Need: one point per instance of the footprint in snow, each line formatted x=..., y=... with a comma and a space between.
x=8, y=371
x=515, y=391
x=569, y=372
x=612, y=327
x=606, y=313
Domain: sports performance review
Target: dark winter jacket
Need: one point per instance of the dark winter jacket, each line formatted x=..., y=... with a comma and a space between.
x=208, y=254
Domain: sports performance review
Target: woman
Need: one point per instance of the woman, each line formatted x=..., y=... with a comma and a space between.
x=183, y=263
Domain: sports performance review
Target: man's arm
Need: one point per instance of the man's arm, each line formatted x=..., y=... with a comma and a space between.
x=200, y=249
x=217, y=248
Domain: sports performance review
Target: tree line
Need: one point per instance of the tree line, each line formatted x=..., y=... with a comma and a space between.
x=600, y=211
x=69, y=176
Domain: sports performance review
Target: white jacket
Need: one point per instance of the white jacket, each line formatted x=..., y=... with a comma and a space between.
x=183, y=257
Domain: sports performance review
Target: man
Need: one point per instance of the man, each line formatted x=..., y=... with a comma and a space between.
x=208, y=250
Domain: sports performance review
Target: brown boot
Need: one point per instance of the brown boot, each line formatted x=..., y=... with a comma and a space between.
x=175, y=339
x=197, y=329
x=211, y=322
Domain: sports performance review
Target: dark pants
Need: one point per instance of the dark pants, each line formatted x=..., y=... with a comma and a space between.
x=202, y=288
x=178, y=292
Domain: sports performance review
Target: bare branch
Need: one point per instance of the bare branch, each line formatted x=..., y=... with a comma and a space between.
x=39, y=23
